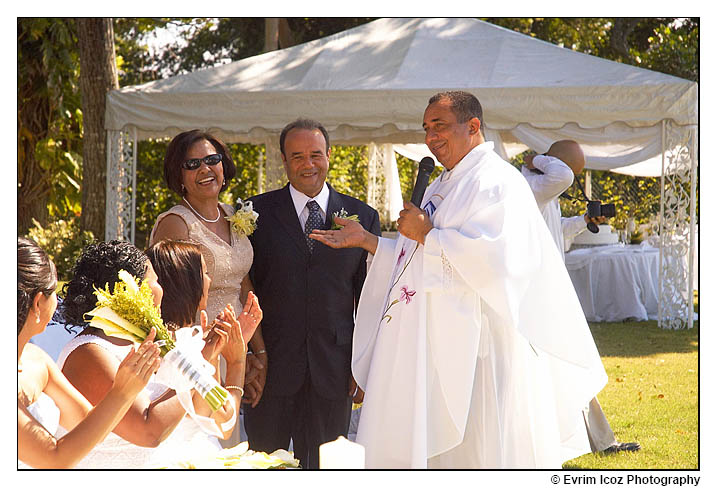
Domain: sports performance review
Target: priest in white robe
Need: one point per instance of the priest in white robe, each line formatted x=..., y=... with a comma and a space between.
x=469, y=341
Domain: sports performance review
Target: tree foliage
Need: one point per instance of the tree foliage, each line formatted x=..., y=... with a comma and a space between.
x=63, y=240
x=638, y=198
x=49, y=120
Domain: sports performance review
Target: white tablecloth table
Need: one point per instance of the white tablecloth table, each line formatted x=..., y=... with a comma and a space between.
x=616, y=282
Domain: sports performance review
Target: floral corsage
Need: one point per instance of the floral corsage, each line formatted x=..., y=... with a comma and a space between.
x=343, y=214
x=244, y=219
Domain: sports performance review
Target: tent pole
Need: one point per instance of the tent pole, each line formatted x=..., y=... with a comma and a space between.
x=260, y=167
x=661, y=271
x=371, y=175
x=110, y=208
x=134, y=184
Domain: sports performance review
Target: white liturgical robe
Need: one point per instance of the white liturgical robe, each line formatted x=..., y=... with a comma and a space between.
x=473, y=349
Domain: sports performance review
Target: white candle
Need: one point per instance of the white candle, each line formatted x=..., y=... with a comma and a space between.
x=341, y=454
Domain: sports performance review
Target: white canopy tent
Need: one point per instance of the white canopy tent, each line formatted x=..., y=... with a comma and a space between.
x=370, y=85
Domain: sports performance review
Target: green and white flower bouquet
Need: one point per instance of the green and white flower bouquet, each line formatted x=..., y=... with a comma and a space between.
x=129, y=312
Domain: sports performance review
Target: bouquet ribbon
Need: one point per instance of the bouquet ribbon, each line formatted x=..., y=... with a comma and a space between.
x=184, y=368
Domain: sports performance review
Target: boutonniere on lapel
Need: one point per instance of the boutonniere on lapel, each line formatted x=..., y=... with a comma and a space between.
x=343, y=214
x=244, y=219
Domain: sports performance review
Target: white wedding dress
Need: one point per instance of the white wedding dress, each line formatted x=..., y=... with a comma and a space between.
x=46, y=412
x=186, y=440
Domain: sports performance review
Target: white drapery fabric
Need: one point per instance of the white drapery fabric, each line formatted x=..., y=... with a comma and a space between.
x=384, y=192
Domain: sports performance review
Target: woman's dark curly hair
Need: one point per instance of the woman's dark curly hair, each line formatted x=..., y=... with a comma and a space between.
x=178, y=265
x=97, y=266
x=35, y=273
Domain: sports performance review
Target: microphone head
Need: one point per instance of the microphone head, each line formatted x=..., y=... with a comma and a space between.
x=426, y=164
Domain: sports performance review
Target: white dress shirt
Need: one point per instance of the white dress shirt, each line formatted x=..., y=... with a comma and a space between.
x=300, y=203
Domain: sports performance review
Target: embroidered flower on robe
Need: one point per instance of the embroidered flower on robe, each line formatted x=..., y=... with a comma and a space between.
x=406, y=294
x=401, y=255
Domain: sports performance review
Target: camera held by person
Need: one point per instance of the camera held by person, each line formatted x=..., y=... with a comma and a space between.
x=594, y=208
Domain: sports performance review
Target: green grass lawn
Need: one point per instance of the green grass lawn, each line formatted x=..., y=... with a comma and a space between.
x=651, y=396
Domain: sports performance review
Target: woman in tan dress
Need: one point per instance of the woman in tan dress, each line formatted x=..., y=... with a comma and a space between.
x=192, y=169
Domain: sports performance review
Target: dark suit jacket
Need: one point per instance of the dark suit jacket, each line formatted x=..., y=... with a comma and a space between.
x=308, y=299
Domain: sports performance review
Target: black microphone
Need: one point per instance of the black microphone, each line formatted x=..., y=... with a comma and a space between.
x=426, y=166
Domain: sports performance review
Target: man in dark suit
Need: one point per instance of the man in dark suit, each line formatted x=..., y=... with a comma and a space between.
x=309, y=293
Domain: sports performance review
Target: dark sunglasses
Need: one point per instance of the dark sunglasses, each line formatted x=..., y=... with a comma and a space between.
x=195, y=163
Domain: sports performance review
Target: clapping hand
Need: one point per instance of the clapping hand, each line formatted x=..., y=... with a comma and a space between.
x=137, y=367
x=236, y=347
x=216, y=338
x=250, y=317
x=256, y=367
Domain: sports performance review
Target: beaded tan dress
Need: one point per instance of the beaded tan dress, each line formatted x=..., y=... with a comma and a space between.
x=227, y=265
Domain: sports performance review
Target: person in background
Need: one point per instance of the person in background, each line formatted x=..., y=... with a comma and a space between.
x=45, y=398
x=549, y=175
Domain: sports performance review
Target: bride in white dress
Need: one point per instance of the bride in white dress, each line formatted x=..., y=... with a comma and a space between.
x=156, y=430
x=45, y=399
